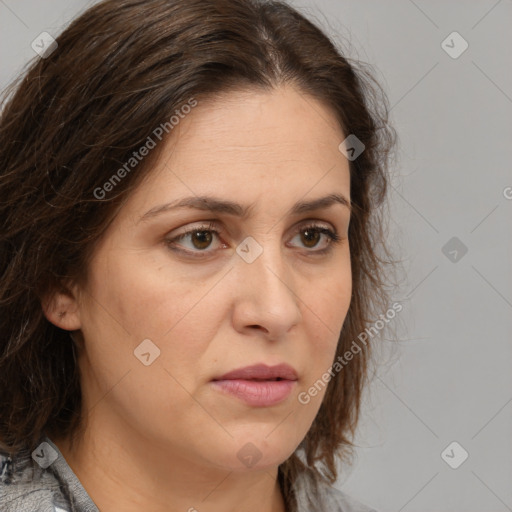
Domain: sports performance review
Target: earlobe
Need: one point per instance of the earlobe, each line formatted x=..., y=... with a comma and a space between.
x=62, y=310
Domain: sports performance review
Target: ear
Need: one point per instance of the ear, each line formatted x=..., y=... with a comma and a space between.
x=62, y=308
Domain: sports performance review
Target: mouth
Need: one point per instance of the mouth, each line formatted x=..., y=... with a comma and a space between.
x=261, y=372
x=259, y=385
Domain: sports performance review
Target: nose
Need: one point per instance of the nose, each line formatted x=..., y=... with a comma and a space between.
x=264, y=294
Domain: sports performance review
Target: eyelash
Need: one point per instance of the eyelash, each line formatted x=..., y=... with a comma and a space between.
x=334, y=238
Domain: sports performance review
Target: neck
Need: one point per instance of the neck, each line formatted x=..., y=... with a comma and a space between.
x=121, y=472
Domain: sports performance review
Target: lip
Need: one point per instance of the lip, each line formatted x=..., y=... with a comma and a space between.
x=257, y=385
x=262, y=372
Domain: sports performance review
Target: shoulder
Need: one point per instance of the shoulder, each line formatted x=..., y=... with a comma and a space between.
x=322, y=497
x=27, y=487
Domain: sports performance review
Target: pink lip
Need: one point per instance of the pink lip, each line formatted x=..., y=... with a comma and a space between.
x=257, y=385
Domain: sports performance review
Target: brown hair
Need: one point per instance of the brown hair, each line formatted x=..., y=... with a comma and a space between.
x=75, y=117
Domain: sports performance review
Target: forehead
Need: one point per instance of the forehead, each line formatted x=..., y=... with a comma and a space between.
x=255, y=121
x=249, y=143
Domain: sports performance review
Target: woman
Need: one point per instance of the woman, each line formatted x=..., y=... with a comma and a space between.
x=189, y=196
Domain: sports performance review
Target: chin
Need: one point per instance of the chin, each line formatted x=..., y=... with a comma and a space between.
x=258, y=452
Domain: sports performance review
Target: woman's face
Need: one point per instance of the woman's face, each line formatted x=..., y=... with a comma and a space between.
x=165, y=313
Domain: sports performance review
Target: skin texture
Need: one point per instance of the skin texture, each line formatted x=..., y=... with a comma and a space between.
x=160, y=437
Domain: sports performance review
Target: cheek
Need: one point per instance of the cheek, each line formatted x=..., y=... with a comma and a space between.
x=326, y=310
x=329, y=298
x=179, y=318
x=133, y=303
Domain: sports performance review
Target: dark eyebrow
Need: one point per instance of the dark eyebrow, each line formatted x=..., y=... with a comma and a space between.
x=215, y=205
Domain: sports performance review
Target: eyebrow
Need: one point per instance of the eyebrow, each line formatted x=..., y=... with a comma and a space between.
x=216, y=205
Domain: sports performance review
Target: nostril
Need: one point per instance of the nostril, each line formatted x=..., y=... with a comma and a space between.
x=256, y=326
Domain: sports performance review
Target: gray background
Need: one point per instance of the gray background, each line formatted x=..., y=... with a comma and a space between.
x=448, y=377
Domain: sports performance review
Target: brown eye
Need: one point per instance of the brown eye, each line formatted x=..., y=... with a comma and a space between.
x=198, y=241
x=311, y=237
x=201, y=239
